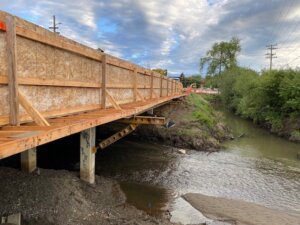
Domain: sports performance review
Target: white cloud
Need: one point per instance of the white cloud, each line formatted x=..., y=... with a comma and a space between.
x=174, y=34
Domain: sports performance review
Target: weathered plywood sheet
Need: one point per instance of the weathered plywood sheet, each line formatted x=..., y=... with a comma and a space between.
x=3, y=62
x=4, y=106
x=53, y=98
x=38, y=60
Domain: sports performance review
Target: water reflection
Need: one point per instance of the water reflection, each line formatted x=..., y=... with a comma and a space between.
x=151, y=199
x=259, y=167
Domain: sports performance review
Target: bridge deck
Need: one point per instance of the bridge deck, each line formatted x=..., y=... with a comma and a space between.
x=16, y=139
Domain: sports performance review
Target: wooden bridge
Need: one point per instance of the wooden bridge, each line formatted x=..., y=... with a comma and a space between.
x=52, y=87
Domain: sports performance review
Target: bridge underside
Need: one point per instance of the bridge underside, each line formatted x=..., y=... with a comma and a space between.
x=17, y=139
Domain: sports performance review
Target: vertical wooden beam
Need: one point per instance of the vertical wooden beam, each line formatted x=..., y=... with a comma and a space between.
x=135, y=84
x=12, y=70
x=167, y=86
x=161, y=86
x=173, y=86
x=151, y=88
x=87, y=156
x=28, y=160
x=104, y=76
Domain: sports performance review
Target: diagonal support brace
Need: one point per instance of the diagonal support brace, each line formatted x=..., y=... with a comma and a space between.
x=117, y=136
x=33, y=112
x=113, y=101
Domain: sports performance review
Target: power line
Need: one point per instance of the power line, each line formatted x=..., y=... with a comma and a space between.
x=55, y=25
x=271, y=55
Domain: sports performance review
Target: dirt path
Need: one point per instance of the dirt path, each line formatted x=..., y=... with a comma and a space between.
x=240, y=212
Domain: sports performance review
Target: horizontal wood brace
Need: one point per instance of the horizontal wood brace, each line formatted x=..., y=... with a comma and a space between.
x=33, y=81
x=144, y=120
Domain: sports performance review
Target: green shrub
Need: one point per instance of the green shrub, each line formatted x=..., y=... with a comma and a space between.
x=270, y=97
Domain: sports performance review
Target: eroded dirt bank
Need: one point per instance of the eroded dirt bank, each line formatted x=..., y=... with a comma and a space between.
x=49, y=197
x=239, y=212
x=197, y=125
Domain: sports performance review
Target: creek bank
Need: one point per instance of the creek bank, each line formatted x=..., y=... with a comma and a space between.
x=51, y=197
x=239, y=212
x=197, y=125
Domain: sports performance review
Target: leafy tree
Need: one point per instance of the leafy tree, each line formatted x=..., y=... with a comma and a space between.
x=194, y=79
x=221, y=56
x=161, y=71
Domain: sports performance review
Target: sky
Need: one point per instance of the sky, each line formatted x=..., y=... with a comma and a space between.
x=173, y=34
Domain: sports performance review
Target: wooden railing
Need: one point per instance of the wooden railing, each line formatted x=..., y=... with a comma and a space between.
x=59, y=76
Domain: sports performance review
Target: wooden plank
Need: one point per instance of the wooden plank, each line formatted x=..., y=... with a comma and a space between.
x=4, y=120
x=35, y=115
x=28, y=128
x=135, y=84
x=34, y=81
x=167, y=86
x=161, y=86
x=151, y=87
x=12, y=70
x=112, y=101
x=104, y=77
x=144, y=120
x=10, y=133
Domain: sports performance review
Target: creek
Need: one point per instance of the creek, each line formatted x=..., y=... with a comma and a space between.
x=258, y=167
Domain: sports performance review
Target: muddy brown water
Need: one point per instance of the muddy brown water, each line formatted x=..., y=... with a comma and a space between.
x=259, y=167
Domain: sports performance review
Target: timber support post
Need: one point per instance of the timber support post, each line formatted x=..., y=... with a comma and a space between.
x=28, y=160
x=87, y=156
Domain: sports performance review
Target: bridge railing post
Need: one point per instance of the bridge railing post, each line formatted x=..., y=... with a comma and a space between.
x=11, y=48
x=151, y=87
x=104, y=78
x=135, y=84
x=161, y=86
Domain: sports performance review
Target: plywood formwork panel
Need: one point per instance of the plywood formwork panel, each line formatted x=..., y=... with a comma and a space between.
x=156, y=82
x=56, y=73
x=3, y=61
x=117, y=75
x=4, y=109
x=26, y=58
x=54, y=98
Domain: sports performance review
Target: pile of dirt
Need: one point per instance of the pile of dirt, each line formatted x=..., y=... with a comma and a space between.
x=50, y=197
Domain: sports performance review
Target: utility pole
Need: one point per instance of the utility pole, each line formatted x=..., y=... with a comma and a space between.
x=220, y=62
x=271, y=55
x=55, y=25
